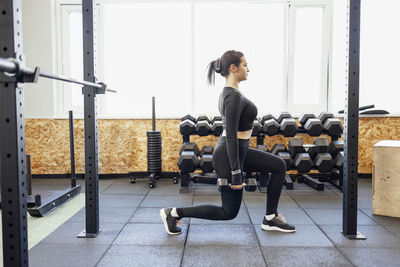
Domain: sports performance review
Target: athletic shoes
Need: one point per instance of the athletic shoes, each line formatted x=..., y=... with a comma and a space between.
x=170, y=222
x=278, y=223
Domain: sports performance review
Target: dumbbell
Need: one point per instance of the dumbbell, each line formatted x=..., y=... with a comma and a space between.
x=202, y=126
x=188, y=162
x=188, y=117
x=319, y=153
x=335, y=147
x=216, y=118
x=206, y=156
x=267, y=118
x=257, y=128
x=189, y=146
x=188, y=159
x=302, y=161
x=336, y=177
x=339, y=160
x=249, y=185
x=186, y=127
x=216, y=126
x=288, y=125
x=263, y=148
x=270, y=125
x=332, y=125
x=311, y=124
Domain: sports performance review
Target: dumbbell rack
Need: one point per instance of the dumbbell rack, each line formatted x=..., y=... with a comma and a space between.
x=315, y=180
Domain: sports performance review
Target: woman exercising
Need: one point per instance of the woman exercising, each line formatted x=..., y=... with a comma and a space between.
x=232, y=154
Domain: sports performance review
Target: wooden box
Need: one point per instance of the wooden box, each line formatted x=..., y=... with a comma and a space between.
x=386, y=179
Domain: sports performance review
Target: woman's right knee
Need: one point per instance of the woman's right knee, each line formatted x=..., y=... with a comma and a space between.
x=230, y=214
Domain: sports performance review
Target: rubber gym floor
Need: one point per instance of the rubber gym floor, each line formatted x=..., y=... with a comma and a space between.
x=132, y=233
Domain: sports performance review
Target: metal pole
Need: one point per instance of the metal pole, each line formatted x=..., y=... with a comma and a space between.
x=12, y=141
x=72, y=148
x=350, y=166
x=154, y=113
x=91, y=148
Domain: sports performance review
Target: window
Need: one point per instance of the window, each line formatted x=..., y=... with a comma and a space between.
x=308, y=59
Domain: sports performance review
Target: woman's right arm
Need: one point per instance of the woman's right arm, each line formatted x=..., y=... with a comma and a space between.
x=232, y=115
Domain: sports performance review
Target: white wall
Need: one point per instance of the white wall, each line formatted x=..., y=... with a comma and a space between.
x=39, y=48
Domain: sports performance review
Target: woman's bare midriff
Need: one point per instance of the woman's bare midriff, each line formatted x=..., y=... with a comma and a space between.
x=241, y=134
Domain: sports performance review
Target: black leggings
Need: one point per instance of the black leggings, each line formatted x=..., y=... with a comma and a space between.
x=251, y=159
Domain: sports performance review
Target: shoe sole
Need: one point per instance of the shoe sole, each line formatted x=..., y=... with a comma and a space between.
x=164, y=219
x=274, y=228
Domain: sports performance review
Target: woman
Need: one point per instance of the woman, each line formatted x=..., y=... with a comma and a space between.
x=232, y=154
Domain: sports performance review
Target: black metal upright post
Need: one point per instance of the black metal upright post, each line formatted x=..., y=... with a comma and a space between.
x=350, y=166
x=72, y=148
x=91, y=144
x=12, y=141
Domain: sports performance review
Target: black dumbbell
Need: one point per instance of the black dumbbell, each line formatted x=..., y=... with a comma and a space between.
x=257, y=128
x=263, y=148
x=203, y=118
x=189, y=117
x=217, y=128
x=271, y=127
x=202, y=126
x=319, y=153
x=331, y=125
x=206, y=150
x=189, y=146
x=302, y=161
x=206, y=163
x=312, y=125
x=288, y=125
x=335, y=147
x=266, y=118
x=186, y=127
x=339, y=160
x=216, y=118
x=188, y=161
x=249, y=185
x=278, y=148
x=295, y=146
x=283, y=115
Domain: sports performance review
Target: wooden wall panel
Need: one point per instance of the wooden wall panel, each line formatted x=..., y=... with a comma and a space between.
x=123, y=143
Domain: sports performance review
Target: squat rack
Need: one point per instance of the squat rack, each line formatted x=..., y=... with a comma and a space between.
x=13, y=75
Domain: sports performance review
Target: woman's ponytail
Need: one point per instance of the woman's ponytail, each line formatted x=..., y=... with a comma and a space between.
x=213, y=67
